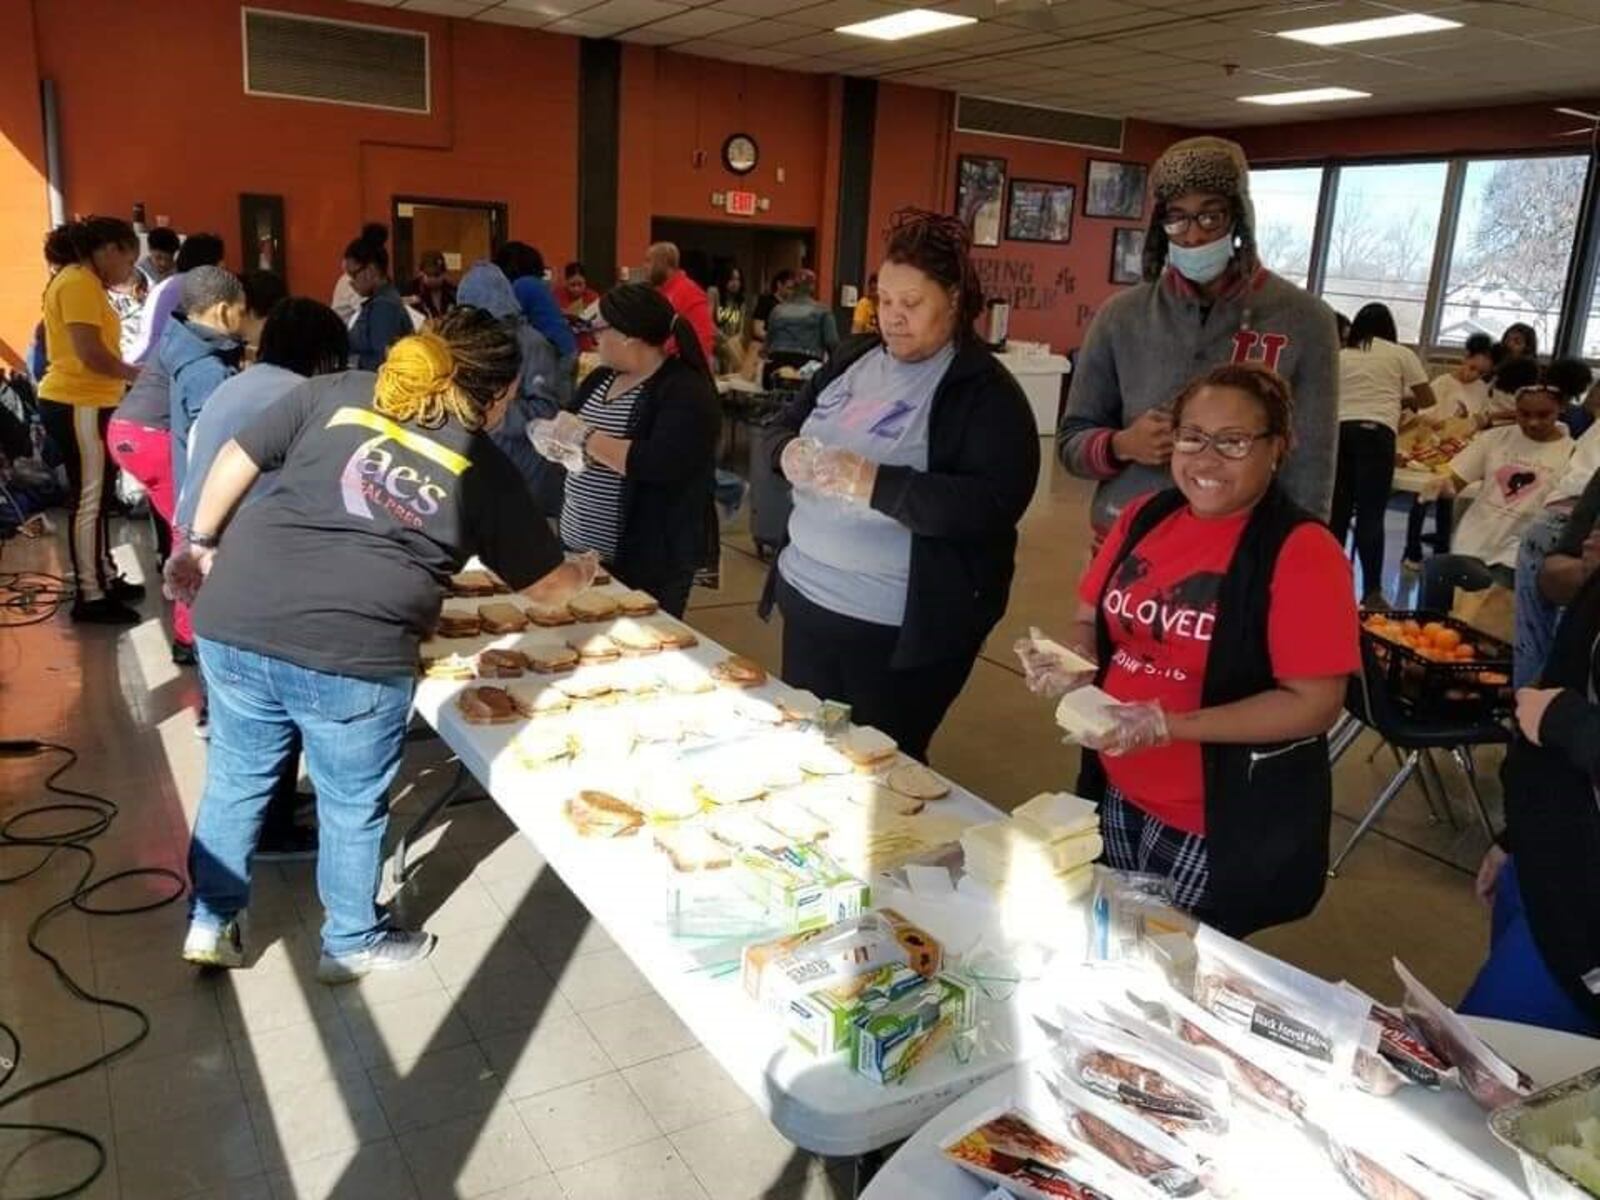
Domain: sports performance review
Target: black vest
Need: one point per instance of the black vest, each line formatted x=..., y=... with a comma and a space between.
x=1268, y=807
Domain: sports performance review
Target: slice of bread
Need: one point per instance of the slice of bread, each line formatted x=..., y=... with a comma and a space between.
x=549, y=615
x=799, y=705
x=596, y=647
x=592, y=606
x=484, y=705
x=502, y=617
x=501, y=664
x=868, y=748
x=454, y=623
x=635, y=603
x=738, y=671
x=549, y=657
x=692, y=848
x=539, y=746
x=538, y=700
x=633, y=637
x=449, y=666
x=600, y=814
x=673, y=636
x=475, y=583
x=912, y=779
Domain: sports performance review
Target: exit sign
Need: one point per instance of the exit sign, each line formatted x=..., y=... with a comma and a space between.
x=741, y=204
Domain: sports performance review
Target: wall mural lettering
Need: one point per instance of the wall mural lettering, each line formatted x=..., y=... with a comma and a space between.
x=1015, y=281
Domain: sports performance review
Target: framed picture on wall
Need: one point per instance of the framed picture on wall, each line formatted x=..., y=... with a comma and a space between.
x=980, y=196
x=1040, y=212
x=1115, y=189
x=1127, y=255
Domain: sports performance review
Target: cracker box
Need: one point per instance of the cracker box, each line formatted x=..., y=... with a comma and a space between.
x=801, y=886
x=823, y=1022
x=891, y=1038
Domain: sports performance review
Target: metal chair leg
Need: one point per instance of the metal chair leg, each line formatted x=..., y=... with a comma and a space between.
x=1344, y=736
x=1430, y=770
x=1422, y=784
x=1469, y=768
x=1391, y=789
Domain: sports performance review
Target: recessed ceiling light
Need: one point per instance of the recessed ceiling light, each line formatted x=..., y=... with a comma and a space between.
x=1307, y=96
x=1402, y=25
x=913, y=22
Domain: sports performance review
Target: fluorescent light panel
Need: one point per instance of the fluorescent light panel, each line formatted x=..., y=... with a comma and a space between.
x=1402, y=25
x=1307, y=96
x=913, y=22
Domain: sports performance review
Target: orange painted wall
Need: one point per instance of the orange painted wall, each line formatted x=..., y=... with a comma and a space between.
x=914, y=162
x=1473, y=131
x=677, y=111
x=186, y=140
x=24, y=208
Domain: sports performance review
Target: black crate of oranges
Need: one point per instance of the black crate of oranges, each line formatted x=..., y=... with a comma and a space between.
x=1439, y=668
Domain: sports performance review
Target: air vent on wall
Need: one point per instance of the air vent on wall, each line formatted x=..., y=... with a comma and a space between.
x=336, y=62
x=975, y=114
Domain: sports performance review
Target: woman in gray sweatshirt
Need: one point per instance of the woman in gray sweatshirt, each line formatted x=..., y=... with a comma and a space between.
x=1206, y=300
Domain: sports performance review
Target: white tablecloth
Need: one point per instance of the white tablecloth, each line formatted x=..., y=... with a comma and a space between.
x=821, y=1106
x=919, y=1169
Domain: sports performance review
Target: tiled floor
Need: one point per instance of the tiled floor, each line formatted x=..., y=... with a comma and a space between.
x=527, y=1059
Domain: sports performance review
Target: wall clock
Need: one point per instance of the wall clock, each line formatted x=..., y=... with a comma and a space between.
x=740, y=154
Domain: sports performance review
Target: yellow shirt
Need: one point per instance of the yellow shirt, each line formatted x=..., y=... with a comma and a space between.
x=77, y=297
x=865, y=317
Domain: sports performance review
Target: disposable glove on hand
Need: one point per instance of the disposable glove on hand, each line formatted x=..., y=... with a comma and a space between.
x=798, y=461
x=1140, y=726
x=844, y=475
x=1050, y=669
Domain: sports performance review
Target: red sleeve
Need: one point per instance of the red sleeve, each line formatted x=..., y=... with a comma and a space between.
x=1313, y=629
x=1094, y=579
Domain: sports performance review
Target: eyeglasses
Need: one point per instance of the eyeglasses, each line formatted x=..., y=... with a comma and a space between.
x=1230, y=443
x=1209, y=220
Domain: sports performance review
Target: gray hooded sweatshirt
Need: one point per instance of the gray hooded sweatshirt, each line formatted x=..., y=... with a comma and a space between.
x=1147, y=343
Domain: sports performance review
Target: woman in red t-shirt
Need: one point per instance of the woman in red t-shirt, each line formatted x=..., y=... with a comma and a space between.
x=1150, y=608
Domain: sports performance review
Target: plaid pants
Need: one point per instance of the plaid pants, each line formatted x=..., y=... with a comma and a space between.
x=1136, y=841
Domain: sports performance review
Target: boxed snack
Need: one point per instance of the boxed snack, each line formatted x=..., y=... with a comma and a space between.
x=823, y=1022
x=833, y=956
x=1321, y=1024
x=801, y=886
x=1487, y=1078
x=892, y=1038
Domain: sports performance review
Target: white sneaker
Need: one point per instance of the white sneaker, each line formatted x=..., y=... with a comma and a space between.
x=207, y=947
x=394, y=951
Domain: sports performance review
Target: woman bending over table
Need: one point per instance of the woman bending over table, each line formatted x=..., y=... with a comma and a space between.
x=317, y=595
x=1223, y=619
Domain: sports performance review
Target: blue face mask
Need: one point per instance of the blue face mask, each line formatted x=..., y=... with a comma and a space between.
x=1201, y=264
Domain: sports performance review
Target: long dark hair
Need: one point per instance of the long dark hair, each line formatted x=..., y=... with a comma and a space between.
x=1373, y=321
x=371, y=248
x=940, y=246
x=91, y=233
x=305, y=337
x=1528, y=335
x=637, y=310
x=518, y=259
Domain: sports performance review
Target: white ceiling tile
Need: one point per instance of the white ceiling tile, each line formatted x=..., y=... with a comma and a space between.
x=447, y=8
x=753, y=55
x=651, y=35
x=547, y=8
x=700, y=22
x=577, y=27
x=515, y=16
x=756, y=8
x=833, y=13
x=763, y=33
x=625, y=14
x=821, y=43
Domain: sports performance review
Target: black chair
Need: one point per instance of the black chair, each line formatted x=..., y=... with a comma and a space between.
x=1369, y=702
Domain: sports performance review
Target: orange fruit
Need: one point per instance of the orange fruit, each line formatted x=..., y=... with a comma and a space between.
x=1432, y=630
x=1410, y=627
x=1447, y=638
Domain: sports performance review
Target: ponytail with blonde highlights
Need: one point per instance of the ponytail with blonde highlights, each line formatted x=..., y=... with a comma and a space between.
x=454, y=369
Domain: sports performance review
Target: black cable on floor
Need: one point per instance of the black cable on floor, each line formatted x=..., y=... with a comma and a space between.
x=30, y=597
x=86, y=816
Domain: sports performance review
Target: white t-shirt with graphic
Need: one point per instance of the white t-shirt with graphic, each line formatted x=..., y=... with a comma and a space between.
x=1518, y=474
x=1457, y=399
x=1373, y=381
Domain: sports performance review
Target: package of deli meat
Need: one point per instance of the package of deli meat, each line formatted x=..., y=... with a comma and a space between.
x=1486, y=1077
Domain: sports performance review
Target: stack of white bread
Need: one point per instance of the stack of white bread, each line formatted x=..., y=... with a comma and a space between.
x=1038, y=859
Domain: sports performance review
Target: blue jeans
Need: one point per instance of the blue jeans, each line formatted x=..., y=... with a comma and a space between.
x=353, y=732
x=1514, y=984
x=1536, y=617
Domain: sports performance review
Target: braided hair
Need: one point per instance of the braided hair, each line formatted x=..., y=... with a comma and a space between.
x=456, y=368
x=940, y=246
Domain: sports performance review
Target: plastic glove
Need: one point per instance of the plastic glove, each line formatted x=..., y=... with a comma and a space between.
x=185, y=571
x=799, y=460
x=1052, y=670
x=1139, y=726
x=844, y=475
x=587, y=565
x=560, y=440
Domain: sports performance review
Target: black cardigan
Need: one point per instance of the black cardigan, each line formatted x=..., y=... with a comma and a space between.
x=1552, y=814
x=983, y=463
x=1268, y=807
x=667, y=490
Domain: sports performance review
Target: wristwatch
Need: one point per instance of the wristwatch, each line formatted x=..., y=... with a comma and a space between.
x=203, y=541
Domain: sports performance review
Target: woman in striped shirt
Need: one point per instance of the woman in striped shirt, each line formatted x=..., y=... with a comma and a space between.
x=644, y=438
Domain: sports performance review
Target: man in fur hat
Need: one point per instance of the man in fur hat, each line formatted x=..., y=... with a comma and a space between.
x=1205, y=300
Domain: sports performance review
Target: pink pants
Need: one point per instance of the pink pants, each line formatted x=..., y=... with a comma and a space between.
x=146, y=454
